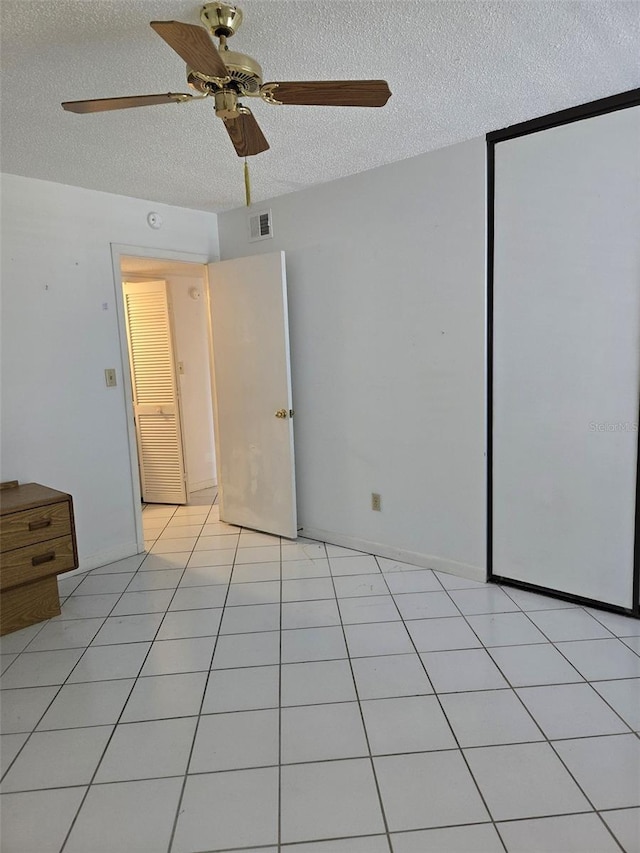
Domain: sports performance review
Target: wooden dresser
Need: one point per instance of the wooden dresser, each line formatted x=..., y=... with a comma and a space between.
x=37, y=542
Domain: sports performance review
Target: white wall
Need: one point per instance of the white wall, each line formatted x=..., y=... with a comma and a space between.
x=61, y=425
x=192, y=349
x=386, y=273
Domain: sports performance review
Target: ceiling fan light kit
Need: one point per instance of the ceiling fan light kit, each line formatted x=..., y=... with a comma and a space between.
x=227, y=75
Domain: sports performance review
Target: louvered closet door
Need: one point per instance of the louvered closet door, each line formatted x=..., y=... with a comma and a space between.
x=155, y=393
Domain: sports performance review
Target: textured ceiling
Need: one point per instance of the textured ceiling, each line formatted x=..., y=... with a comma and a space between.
x=456, y=70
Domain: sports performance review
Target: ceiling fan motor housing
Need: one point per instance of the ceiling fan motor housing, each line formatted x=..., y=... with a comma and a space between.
x=244, y=71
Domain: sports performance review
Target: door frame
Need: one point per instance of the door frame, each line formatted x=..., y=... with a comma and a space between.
x=621, y=101
x=118, y=251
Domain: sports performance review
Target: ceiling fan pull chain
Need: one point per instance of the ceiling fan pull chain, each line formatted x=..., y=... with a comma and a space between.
x=247, y=183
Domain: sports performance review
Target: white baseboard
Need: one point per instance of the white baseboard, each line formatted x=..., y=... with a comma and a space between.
x=451, y=567
x=464, y=570
x=202, y=484
x=94, y=561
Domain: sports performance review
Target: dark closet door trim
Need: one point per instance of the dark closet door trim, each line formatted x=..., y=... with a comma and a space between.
x=621, y=101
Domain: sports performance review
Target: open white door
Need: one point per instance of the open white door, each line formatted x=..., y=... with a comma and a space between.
x=155, y=393
x=252, y=393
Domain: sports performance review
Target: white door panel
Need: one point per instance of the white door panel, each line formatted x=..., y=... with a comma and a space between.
x=252, y=381
x=566, y=357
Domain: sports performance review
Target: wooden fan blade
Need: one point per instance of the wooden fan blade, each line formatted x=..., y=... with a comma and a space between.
x=246, y=135
x=99, y=105
x=329, y=93
x=193, y=44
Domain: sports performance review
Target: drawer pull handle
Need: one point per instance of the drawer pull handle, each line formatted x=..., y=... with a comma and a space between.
x=43, y=558
x=39, y=524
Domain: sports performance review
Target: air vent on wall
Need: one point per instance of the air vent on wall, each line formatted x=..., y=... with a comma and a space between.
x=260, y=226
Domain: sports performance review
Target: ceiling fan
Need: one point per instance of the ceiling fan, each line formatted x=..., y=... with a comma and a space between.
x=227, y=76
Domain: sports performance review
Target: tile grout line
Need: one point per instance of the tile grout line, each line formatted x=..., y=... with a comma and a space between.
x=452, y=749
x=392, y=595
x=299, y=628
x=364, y=727
x=55, y=696
x=115, y=725
x=66, y=680
x=622, y=639
x=305, y=627
x=551, y=743
x=204, y=693
x=437, y=697
x=279, y=826
x=88, y=787
x=321, y=704
x=585, y=680
x=582, y=609
x=538, y=726
x=164, y=527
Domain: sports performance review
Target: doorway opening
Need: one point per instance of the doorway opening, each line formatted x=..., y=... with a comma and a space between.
x=245, y=388
x=166, y=323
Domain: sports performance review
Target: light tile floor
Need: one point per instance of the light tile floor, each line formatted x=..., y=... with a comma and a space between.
x=231, y=691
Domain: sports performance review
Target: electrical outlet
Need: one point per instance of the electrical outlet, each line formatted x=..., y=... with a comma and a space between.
x=110, y=377
x=376, y=502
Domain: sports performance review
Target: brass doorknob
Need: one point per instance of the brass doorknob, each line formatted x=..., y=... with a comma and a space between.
x=281, y=413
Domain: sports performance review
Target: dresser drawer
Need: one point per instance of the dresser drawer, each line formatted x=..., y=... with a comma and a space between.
x=29, y=526
x=36, y=561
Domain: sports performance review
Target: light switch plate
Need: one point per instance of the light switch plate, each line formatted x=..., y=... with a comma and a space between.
x=110, y=377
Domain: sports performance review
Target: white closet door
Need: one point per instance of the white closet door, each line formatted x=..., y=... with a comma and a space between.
x=155, y=393
x=566, y=366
